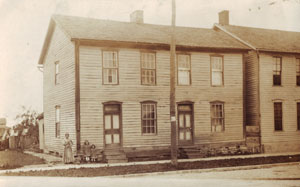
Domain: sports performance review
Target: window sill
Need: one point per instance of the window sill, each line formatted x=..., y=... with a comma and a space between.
x=277, y=86
x=184, y=85
x=278, y=131
x=217, y=86
x=148, y=85
x=149, y=134
x=216, y=133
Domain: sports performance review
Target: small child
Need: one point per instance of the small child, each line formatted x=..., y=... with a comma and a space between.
x=93, y=153
x=86, y=151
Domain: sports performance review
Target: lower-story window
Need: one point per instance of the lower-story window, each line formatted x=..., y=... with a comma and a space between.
x=149, y=117
x=217, y=116
x=278, y=116
x=57, y=121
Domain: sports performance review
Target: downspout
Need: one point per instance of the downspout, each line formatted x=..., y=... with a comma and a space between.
x=77, y=94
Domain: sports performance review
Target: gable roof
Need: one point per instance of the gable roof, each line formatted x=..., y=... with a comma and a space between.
x=107, y=30
x=267, y=39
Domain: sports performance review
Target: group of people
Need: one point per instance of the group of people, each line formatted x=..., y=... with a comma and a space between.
x=89, y=151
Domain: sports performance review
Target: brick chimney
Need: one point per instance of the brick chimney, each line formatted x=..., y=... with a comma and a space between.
x=137, y=16
x=224, y=17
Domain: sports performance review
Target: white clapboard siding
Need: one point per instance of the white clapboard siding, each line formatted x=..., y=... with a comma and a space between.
x=130, y=92
x=60, y=49
x=289, y=94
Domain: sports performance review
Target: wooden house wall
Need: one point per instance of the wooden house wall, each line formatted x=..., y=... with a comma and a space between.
x=130, y=92
x=288, y=93
x=60, y=49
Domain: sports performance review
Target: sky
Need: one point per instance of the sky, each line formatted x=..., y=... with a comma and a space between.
x=24, y=23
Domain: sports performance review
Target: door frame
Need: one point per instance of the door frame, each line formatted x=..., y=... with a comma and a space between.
x=180, y=143
x=120, y=122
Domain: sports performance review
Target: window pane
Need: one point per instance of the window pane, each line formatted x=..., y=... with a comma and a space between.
x=217, y=63
x=110, y=59
x=57, y=114
x=148, y=68
x=188, y=135
x=187, y=120
x=217, y=78
x=181, y=120
x=108, y=138
x=116, y=138
x=278, y=116
x=218, y=128
x=217, y=117
x=148, y=118
x=107, y=121
x=56, y=68
x=181, y=135
x=116, y=122
x=111, y=108
x=184, y=108
x=183, y=77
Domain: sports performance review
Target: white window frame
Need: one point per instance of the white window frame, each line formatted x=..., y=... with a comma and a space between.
x=57, y=121
x=148, y=128
x=217, y=118
x=148, y=68
x=110, y=68
x=186, y=80
x=214, y=71
x=56, y=72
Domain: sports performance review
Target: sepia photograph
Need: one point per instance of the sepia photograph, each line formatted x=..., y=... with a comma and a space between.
x=104, y=93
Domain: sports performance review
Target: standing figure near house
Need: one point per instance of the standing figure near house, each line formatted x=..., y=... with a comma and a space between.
x=68, y=155
x=86, y=151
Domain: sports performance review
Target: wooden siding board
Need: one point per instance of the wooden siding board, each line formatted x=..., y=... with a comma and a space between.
x=129, y=91
x=60, y=49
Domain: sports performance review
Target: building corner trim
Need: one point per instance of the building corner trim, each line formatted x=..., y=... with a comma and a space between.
x=77, y=95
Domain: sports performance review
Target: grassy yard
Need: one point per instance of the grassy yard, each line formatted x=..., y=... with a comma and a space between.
x=14, y=159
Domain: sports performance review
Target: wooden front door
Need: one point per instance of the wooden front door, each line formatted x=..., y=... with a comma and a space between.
x=112, y=125
x=185, y=124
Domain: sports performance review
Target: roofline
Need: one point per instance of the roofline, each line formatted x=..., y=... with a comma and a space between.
x=146, y=45
x=234, y=36
x=251, y=46
x=48, y=37
x=276, y=51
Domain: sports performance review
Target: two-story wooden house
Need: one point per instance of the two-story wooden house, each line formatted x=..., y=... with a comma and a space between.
x=108, y=82
x=272, y=83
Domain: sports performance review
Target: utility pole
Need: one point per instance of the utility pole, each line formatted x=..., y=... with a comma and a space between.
x=172, y=90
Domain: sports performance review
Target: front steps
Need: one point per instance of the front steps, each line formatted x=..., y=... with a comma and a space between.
x=191, y=152
x=114, y=156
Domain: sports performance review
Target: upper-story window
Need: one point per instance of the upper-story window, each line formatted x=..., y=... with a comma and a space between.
x=298, y=71
x=184, y=69
x=217, y=116
x=216, y=70
x=149, y=124
x=148, y=68
x=277, y=68
x=57, y=121
x=110, y=67
x=56, y=72
x=278, y=116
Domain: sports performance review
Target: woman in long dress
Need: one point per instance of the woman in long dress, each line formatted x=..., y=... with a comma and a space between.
x=68, y=155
